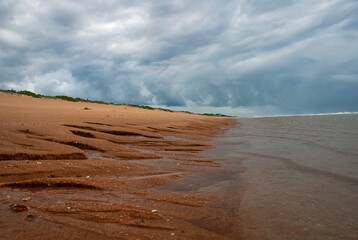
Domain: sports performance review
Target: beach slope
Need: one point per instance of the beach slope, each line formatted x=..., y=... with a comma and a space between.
x=79, y=170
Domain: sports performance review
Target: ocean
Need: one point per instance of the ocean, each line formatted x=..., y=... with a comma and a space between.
x=293, y=177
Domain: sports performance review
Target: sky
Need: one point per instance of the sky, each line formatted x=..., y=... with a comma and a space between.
x=243, y=57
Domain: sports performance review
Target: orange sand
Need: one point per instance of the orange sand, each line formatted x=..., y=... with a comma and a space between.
x=94, y=171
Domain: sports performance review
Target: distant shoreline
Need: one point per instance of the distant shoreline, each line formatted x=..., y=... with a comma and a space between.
x=306, y=115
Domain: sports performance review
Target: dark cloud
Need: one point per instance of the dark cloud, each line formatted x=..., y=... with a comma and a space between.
x=278, y=56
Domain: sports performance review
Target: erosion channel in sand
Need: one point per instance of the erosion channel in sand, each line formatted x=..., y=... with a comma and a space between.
x=96, y=171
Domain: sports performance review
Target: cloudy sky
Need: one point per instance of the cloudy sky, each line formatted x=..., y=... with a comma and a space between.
x=248, y=57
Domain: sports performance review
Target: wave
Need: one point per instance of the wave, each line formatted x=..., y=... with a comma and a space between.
x=307, y=114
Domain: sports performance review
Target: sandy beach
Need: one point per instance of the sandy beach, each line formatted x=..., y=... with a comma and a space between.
x=95, y=171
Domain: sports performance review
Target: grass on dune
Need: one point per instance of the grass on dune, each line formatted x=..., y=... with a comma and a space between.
x=71, y=99
x=140, y=106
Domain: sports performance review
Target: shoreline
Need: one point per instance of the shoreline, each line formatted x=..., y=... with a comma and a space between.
x=92, y=170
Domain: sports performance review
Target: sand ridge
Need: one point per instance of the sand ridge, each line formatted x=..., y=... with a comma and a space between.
x=88, y=170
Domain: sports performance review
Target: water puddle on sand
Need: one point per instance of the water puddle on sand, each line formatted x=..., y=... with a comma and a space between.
x=173, y=138
x=95, y=155
x=224, y=188
x=171, y=174
x=205, y=182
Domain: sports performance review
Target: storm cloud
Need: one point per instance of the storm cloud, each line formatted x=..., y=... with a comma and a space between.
x=292, y=56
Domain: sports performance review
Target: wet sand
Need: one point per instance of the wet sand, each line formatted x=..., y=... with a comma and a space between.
x=95, y=171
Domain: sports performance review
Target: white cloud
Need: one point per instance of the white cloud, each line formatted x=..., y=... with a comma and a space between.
x=12, y=38
x=292, y=55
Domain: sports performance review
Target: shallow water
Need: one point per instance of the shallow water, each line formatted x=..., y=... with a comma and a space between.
x=298, y=174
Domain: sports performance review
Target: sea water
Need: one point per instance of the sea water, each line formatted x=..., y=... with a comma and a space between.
x=298, y=176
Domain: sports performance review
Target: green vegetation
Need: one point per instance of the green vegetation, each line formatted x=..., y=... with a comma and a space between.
x=71, y=99
x=165, y=110
x=8, y=91
x=187, y=112
x=68, y=98
x=208, y=114
x=140, y=106
x=214, y=114
x=31, y=94
x=28, y=93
